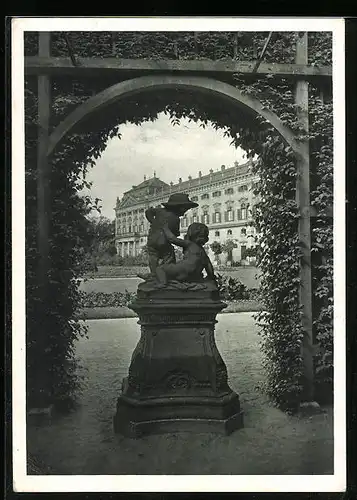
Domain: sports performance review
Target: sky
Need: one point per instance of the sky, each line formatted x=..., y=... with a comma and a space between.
x=158, y=147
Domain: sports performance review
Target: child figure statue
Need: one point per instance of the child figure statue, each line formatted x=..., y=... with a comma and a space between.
x=195, y=259
x=165, y=226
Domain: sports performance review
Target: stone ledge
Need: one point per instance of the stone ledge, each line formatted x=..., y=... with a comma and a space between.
x=221, y=414
x=195, y=425
x=43, y=412
x=309, y=408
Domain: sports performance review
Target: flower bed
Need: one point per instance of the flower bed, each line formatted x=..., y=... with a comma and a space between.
x=123, y=299
x=99, y=299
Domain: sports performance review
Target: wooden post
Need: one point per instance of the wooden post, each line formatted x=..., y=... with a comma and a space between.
x=303, y=202
x=260, y=58
x=43, y=195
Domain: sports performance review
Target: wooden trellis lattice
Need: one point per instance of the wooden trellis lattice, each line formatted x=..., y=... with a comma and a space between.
x=45, y=66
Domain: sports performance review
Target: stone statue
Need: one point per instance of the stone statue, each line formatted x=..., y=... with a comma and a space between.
x=177, y=380
x=165, y=226
x=195, y=259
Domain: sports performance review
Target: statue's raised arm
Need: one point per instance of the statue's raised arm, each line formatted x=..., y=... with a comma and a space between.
x=165, y=221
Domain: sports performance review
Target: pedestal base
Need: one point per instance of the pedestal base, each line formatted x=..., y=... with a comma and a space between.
x=177, y=379
x=135, y=418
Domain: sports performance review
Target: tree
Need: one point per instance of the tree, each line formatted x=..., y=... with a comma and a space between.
x=216, y=248
x=228, y=247
x=102, y=234
x=251, y=252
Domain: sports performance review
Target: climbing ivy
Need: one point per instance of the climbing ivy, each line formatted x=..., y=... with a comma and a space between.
x=277, y=216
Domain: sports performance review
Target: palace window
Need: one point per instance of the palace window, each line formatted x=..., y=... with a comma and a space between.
x=242, y=212
x=194, y=218
x=194, y=198
x=229, y=215
x=243, y=231
x=205, y=218
x=123, y=230
x=129, y=230
x=243, y=188
x=216, y=194
x=216, y=233
x=229, y=191
x=141, y=228
x=217, y=217
x=184, y=222
x=205, y=196
x=229, y=232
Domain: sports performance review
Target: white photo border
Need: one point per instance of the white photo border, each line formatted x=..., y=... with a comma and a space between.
x=129, y=483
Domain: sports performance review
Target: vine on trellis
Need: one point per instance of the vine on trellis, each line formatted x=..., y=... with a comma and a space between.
x=276, y=220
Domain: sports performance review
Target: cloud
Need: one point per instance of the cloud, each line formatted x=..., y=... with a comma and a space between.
x=170, y=151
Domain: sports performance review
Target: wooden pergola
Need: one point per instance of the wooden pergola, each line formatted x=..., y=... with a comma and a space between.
x=44, y=67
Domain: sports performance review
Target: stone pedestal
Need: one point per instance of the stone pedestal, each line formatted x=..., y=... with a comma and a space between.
x=177, y=379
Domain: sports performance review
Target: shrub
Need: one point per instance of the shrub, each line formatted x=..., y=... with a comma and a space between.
x=137, y=260
x=109, y=260
x=231, y=288
x=101, y=299
x=228, y=248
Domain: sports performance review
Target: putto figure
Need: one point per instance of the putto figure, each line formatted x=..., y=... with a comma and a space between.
x=195, y=259
x=165, y=226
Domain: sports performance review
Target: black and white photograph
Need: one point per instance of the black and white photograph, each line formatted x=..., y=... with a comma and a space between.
x=178, y=242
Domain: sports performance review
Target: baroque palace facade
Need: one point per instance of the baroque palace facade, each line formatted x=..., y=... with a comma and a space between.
x=226, y=205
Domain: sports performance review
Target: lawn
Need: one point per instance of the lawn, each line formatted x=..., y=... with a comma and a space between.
x=271, y=442
x=127, y=275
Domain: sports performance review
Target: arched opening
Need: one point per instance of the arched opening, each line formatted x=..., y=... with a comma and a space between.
x=212, y=94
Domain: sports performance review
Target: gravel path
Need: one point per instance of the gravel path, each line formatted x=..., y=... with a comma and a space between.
x=271, y=442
